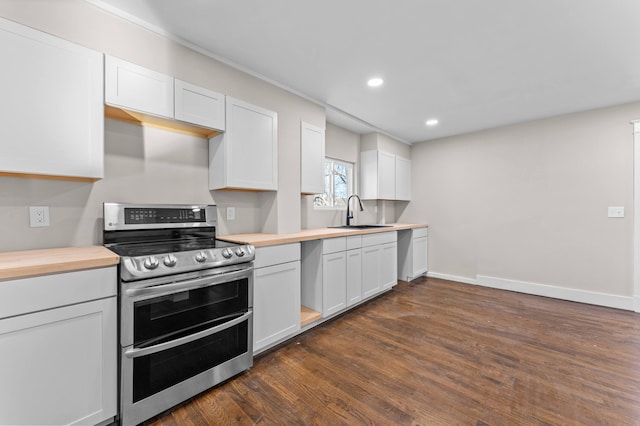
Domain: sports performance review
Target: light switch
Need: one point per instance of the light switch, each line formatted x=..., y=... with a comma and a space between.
x=616, y=211
x=231, y=213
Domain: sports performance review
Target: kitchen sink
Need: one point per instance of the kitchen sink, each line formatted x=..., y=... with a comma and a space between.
x=361, y=226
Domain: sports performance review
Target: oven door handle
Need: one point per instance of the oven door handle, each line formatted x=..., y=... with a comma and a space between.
x=211, y=279
x=135, y=353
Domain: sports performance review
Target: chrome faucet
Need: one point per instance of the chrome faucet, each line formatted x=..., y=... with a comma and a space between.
x=350, y=215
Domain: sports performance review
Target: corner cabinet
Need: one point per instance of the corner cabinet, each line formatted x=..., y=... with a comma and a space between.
x=59, y=350
x=311, y=159
x=276, y=295
x=245, y=156
x=53, y=109
x=384, y=176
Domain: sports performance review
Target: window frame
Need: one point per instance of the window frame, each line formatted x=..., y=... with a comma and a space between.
x=350, y=183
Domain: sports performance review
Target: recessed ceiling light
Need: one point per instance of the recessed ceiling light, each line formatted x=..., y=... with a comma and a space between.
x=375, y=82
x=432, y=122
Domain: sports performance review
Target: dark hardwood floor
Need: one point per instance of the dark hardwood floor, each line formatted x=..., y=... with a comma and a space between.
x=437, y=352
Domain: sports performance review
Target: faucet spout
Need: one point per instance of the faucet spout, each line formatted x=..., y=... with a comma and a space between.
x=350, y=215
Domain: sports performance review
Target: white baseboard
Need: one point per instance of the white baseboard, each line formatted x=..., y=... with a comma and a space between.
x=563, y=293
x=457, y=278
x=574, y=295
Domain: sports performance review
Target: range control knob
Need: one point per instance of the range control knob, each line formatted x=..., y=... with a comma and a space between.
x=150, y=263
x=240, y=252
x=201, y=256
x=227, y=253
x=170, y=260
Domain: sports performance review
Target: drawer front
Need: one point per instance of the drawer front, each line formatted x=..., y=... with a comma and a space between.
x=274, y=255
x=26, y=295
x=354, y=242
x=420, y=232
x=379, y=238
x=332, y=245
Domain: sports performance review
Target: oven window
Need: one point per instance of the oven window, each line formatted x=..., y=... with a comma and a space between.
x=168, y=317
x=156, y=372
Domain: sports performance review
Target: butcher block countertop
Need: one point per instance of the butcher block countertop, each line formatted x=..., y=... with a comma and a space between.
x=28, y=263
x=263, y=240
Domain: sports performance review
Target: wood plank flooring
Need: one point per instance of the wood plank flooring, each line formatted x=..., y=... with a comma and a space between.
x=436, y=352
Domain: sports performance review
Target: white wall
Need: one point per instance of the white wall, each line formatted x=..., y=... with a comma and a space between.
x=76, y=207
x=527, y=204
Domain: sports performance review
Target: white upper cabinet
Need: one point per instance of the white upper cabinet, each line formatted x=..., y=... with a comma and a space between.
x=403, y=179
x=146, y=94
x=140, y=89
x=311, y=159
x=377, y=175
x=53, y=109
x=198, y=105
x=384, y=176
x=246, y=155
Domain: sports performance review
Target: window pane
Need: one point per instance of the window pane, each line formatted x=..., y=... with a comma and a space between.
x=340, y=185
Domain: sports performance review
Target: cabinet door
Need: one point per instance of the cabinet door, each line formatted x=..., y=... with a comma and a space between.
x=388, y=265
x=59, y=366
x=133, y=87
x=246, y=155
x=276, y=303
x=53, y=106
x=334, y=283
x=370, y=271
x=354, y=276
x=403, y=179
x=197, y=105
x=386, y=176
x=311, y=159
x=419, y=256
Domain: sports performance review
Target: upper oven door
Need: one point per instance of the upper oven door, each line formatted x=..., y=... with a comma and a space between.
x=161, y=313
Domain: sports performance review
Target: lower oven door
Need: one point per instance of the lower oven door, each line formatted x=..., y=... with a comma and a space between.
x=190, y=342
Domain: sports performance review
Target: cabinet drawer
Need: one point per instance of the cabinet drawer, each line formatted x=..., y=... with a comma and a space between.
x=354, y=242
x=420, y=232
x=332, y=245
x=274, y=255
x=379, y=238
x=55, y=290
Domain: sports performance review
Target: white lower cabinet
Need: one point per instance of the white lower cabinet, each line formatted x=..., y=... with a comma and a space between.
x=379, y=262
x=354, y=270
x=340, y=272
x=334, y=283
x=59, y=365
x=276, y=294
x=412, y=253
x=370, y=273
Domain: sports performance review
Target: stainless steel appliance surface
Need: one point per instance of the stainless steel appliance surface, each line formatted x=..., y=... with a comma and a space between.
x=185, y=301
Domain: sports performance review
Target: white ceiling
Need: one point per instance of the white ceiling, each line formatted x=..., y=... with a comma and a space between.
x=471, y=64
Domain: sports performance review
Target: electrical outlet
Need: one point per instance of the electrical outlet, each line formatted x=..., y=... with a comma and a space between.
x=616, y=212
x=38, y=216
x=231, y=213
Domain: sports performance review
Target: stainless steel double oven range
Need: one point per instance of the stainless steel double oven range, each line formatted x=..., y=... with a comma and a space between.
x=185, y=304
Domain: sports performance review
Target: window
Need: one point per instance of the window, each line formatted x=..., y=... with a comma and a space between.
x=338, y=185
